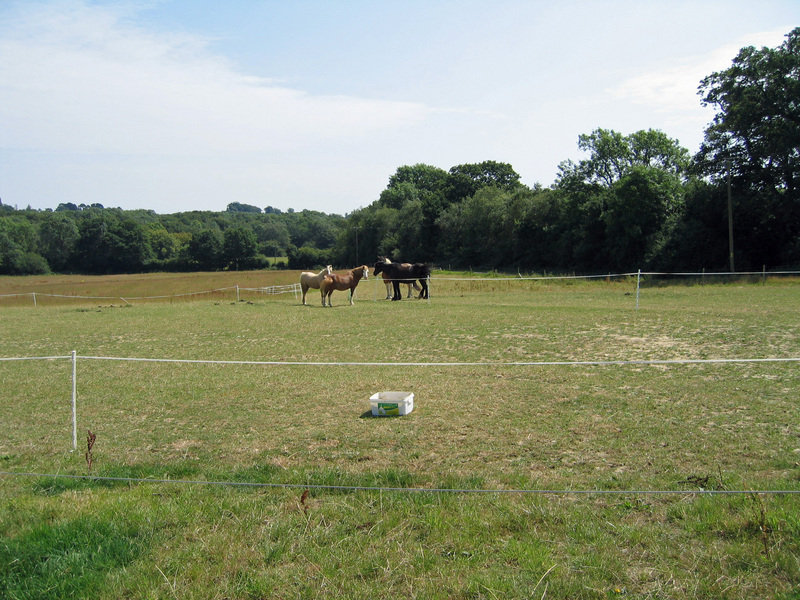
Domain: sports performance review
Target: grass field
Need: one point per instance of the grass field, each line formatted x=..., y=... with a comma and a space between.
x=623, y=428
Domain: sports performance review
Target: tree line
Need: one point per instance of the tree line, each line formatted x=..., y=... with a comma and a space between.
x=637, y=200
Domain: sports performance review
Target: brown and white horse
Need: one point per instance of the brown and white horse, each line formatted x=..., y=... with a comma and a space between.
x=348, y=281
x=312, y=280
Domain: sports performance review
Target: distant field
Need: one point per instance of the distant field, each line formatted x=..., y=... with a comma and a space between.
x=487, y=425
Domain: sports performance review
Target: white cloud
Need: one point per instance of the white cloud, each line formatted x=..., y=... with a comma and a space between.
x=83, y=79
x=674, y=89
x=671, y=93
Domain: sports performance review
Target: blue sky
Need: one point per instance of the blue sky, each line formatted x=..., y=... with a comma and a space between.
x=176, y=105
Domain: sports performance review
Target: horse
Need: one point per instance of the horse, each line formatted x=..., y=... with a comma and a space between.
x=348, y=281
x=399, y=274
x=413, y=285
x=312, y=280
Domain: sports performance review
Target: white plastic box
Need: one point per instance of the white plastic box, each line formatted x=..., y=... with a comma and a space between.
x=386, y=404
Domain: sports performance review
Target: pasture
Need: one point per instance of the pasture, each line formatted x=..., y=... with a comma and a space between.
x=493, y=430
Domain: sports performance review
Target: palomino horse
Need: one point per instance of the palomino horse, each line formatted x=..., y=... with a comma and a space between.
x=348, y=281
x=413, y=285
x=312, y=280
x=399, y=274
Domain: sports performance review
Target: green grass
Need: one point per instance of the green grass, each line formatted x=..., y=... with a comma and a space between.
x=494, y=426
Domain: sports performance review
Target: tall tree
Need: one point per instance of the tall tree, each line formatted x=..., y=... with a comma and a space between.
x=465, y=180
x=756, y=135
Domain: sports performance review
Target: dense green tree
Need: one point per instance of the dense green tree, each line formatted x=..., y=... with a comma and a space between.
x=465, y=180
x=11, y=255
x=406, y=241
x=539, y=235
x=364, y=236
x=473, y=230
x=107, y=244
x=130, y=246
x=238, y=247
x=699, y=236
x=423, y=177
x=163, y=243
x=396, y=196
x=239, y=207
x=640, y=212
x=309, y=227
x=272, y=236
x=307, y=258
x=58, y=235
x=21, y=231
x=205, y=248
x=18, y=246
x=755, y=136
x=621, y=203
x=613, y=155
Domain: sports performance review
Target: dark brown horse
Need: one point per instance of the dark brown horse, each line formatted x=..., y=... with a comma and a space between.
x=397, y=274
x=348, y=281
x=388, y=282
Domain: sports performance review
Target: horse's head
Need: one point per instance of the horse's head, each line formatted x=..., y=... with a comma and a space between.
x=328, y=270
x=385, y=260
x=364, y=271
x=378, y=267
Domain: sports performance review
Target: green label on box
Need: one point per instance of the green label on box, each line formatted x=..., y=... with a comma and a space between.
x=388, y=408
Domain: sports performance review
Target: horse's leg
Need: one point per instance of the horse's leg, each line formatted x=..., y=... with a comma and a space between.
x=322, y=293
x=388, y=289
x=397, y=294
x=352, y=291
x=410, y=293
x=304, y=287
x=424, y=292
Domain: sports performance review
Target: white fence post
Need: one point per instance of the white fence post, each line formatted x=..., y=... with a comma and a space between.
x=638, y=282
x=74, y=402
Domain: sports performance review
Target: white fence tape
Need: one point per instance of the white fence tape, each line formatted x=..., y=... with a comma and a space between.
x=596, y=363
x=273, y=289
x=74, y=358
x=295, y=288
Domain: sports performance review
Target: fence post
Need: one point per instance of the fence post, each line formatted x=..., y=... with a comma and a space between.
x=638, y=281
x=34, y=298
x=237, y=293
x=74, y=402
